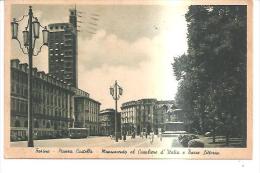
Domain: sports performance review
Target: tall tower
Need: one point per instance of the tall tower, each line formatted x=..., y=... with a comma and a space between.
x=63, y=50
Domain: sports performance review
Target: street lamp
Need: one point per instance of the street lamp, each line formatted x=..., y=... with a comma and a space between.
x=30, y=34
x=116, y=91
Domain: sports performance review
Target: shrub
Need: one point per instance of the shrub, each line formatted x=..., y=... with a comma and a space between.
x=196, y=143
x=184, y=139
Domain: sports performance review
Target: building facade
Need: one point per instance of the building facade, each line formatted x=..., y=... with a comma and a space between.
x=62, y=45
x=56, y=105
x=107, y=122
x=144, y=115
x=52, y=103
x=86, y=114
x=57, y=102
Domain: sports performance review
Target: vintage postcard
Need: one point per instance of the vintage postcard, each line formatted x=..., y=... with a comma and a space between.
x=128, y=79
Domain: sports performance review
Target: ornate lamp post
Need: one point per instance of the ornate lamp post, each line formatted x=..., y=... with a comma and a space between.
x=116, y=91
x=30, y=34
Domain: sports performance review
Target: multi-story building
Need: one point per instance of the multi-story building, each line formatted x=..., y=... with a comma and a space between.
x=63, y=55
x=52, y=103
x=144, y=115
x=86, y=114
x=58, y=103
x=107, y=122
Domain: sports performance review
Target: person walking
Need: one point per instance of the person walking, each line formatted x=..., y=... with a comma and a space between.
x=124, y=136
x=160, y=135
x=152, y=137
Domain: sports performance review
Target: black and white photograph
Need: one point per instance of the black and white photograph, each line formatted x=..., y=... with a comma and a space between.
x=128, y=80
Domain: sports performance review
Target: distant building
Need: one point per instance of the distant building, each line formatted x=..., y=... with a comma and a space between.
x=51, y=107
x=144, y=115
x=107, y=122
x=86, y=114
x=63, y=55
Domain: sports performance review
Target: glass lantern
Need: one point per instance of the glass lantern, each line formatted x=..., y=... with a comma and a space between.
x=111, y=91
x=26, y=38
x=45, y=36
x=14, y=28
x=36, y=28
x=120, y=91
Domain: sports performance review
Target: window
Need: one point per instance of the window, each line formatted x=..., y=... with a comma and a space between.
x=68, y=64
x=36, y=124
x=12, y=104
x=12, y=87
x=18, y=89
x=48, y=125
x=68, y=53
x=25, y=123
x=17, y=123
x=15, y=105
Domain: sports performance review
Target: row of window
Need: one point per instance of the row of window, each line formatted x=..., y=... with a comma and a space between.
x=127, y=120
x=19, y=80
x=56, y=53
x=19, y=106
x=92, y=118
x=19, y=77
x=39, y=124
x=105, y=124
x=22, y=107
x=57, y=27
x=19, y=89
x=91, y=107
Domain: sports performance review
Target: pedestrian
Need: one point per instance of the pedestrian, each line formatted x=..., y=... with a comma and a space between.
x=160, y=134
x=124, y=138
x=151, y=137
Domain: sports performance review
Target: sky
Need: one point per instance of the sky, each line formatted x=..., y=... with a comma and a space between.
x=133, y=44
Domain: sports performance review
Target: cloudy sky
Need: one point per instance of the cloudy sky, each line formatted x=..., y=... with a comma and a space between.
x=134, y=44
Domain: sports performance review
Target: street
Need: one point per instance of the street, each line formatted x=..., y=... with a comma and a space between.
x=101, y=141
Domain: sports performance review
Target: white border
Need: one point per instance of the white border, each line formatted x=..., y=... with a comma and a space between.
x=1, y=85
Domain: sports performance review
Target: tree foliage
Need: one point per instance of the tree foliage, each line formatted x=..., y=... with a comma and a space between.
x=212, y=75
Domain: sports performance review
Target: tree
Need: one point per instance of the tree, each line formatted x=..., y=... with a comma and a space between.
x=212, y=75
